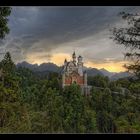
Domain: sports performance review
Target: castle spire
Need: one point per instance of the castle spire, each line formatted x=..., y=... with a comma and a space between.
x=74, y=53
x=65, y=62
x=74, y=57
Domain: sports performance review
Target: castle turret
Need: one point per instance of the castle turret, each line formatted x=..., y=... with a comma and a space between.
x=74, y=57
x=85, y=78
x=65, y=62
x=63, y=80
x=80, y=60
x=80, y=66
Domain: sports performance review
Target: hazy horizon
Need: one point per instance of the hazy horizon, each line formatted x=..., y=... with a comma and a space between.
x=62, y=65
x=51, y=34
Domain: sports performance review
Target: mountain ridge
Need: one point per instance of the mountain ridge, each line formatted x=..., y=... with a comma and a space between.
x=51, y=67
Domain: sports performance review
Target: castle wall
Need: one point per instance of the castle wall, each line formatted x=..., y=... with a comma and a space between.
x=69, y=80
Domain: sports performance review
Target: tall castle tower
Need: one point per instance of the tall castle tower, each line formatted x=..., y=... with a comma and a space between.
x=73, y=73
x=74, y=57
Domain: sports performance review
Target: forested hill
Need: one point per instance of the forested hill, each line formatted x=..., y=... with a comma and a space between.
x=32, y=104
x=46, y=68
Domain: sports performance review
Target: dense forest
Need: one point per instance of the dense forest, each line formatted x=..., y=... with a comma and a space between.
x=30, y=103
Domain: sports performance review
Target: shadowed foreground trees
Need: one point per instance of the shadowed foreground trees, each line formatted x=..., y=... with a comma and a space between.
x=12, y=113
x=4, y=13
x=129, y=37
x=32, y=104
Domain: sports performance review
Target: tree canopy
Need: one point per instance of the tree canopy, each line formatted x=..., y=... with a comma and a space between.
x=129, y=37
x=4, y=13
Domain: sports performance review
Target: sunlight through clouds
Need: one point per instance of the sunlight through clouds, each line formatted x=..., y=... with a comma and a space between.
x=51, y=34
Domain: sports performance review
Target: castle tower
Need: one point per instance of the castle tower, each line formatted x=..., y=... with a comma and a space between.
x=85, y=78
x=63, y=80
x=80, y=65
x=65, y=62
x=74, y=57
x=86, y=92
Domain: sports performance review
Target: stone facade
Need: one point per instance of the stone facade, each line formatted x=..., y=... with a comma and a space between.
x=73, y=73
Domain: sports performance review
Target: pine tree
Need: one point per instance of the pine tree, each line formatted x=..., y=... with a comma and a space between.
x=129, y=37
x=7, y=64
x=4, y=13
x=11, y=110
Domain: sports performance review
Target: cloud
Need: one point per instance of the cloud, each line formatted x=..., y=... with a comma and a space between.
x=110, y=66
x=42, y=33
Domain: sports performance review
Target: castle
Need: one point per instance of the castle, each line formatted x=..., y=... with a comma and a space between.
x=73, y=72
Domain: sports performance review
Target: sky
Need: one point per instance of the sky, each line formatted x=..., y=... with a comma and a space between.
x=52, y=33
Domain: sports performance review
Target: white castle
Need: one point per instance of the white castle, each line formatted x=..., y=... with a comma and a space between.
x=73, y=72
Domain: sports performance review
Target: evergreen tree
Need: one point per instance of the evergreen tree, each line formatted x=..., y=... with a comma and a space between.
x=11, y=109
x=73, y=108
x=7, y=64
x=129, y=38
x=4, y=13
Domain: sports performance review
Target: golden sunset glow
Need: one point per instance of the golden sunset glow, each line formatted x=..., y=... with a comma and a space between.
x=110, y=66
x=54, y=33
x=59, y=58
x=37, y=58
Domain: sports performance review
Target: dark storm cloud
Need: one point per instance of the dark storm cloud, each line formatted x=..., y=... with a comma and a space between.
x=38, y=29
x=60, y=24
x=63, y=23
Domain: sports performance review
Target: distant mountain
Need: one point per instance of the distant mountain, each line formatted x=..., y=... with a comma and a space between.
x=107, y=73
x=28, y=65
x=120, y=75
x=93, y=72
x=49, y=67
x=46, y=68
x=40, y=68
